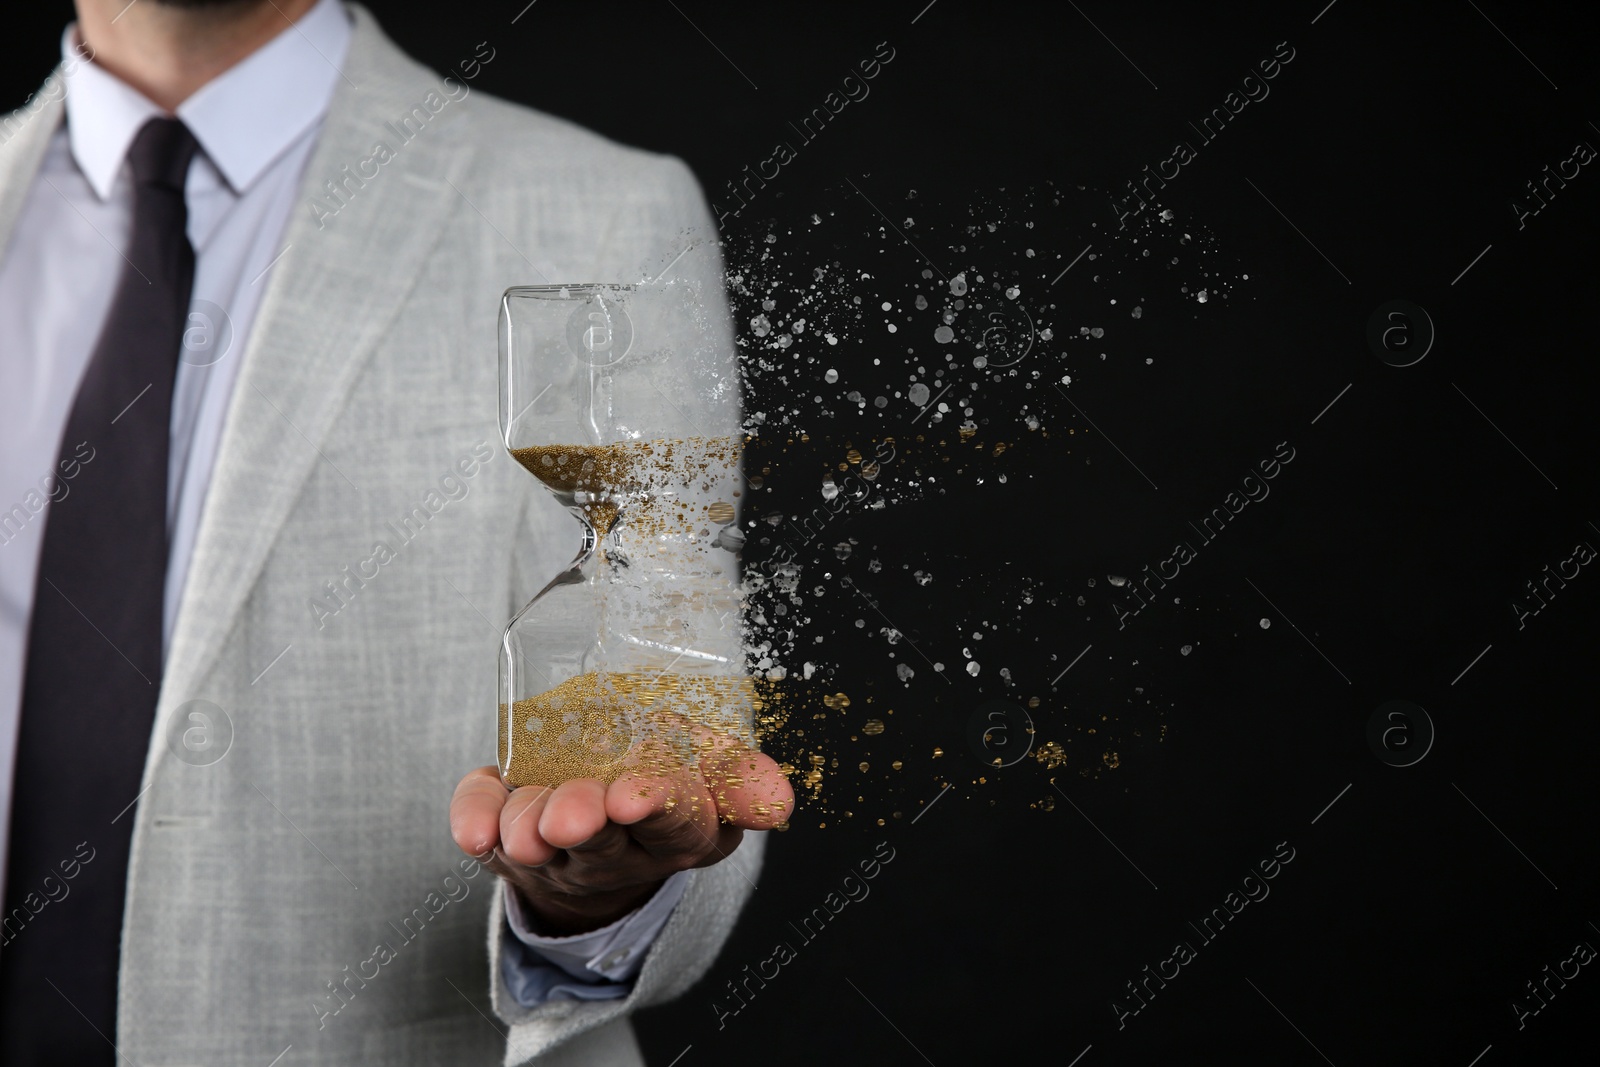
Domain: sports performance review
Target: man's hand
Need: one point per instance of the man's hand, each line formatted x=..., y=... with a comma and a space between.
x=585, y=853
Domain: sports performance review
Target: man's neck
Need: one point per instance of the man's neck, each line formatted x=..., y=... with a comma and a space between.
x=167, y=52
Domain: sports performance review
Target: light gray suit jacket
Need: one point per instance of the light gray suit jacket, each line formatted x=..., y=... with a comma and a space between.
x=304, y=889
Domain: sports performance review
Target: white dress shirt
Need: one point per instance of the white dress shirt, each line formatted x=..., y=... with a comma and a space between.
x=256, y=125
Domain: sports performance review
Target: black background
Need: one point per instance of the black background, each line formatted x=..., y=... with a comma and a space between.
x=1396, y=541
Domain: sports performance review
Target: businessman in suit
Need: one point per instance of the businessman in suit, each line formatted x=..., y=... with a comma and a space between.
x=257, y=538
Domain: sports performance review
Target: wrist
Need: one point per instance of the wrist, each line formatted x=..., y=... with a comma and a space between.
x=555, y=914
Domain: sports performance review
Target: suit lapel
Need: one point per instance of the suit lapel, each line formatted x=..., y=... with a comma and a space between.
x=330, y=299
x=26, y=133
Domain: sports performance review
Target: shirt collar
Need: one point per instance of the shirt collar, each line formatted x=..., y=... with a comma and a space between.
x=243, y=119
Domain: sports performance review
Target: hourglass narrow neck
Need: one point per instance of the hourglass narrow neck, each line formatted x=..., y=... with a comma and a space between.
x=591, y=536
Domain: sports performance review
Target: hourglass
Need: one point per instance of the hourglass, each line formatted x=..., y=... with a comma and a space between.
x=623, y=401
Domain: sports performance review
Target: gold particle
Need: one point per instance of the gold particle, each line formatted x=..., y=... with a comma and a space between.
x=863, y=766
x=1051, y=754
x=872, y=726
x=1033, y=702
x=1111, y=759
x=895, y=765
x=720, y=513
x=853, y=456
x=937, y=752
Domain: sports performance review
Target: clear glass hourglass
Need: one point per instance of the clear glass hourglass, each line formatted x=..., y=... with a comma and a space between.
x=623, y=401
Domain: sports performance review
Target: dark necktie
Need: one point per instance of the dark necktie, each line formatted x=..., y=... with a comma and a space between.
x=95, y=646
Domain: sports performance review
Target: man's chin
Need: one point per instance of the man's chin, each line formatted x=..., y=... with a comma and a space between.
x=192, y=5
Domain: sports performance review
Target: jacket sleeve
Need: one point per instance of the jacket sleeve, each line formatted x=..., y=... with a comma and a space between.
x=682, y=953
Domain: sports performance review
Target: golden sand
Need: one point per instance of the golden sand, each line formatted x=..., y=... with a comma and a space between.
x=612, y=474
x=600, y=726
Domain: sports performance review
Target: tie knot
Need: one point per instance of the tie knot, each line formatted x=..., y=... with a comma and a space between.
x=161, y=152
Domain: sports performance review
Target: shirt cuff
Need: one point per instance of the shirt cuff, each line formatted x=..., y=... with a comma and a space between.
x=598, y=965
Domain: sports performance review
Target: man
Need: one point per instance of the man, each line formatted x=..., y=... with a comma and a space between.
x=262, y=539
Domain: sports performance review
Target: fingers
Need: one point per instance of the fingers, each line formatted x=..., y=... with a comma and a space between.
x=574, y=813
x=475, y=811
x=748, y=788
x=634, y=797
x=520, y=839
x=691, y=818
x=673, y=818
x=572, y=818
